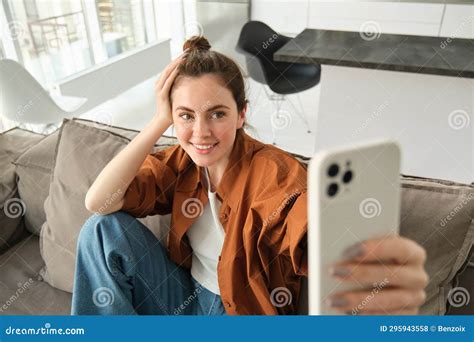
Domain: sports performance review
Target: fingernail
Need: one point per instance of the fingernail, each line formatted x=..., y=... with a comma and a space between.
x=353, y=251
x=336, y=302
x=339, y=271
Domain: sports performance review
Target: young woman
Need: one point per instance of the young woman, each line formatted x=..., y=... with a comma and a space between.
x=237, y=241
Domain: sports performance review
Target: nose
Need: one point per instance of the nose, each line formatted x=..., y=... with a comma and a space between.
x=201, y=128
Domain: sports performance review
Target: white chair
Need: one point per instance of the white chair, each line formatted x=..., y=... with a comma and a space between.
x=24, y=101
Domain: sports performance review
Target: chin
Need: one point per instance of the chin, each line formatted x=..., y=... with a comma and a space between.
x=201, y=160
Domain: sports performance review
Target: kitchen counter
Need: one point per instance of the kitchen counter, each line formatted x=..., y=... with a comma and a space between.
x=416, y=54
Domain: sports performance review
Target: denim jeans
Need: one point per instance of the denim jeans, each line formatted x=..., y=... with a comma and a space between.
x=123, y=269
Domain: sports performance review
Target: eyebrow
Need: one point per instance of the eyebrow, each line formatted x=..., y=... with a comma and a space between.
x=208, y=110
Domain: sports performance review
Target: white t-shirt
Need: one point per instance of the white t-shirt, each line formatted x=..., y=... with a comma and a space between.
x=206, y=236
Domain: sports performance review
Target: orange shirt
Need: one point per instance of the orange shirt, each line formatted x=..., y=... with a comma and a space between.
x=263, y=213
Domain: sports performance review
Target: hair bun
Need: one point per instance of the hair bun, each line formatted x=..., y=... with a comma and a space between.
x=197, y=43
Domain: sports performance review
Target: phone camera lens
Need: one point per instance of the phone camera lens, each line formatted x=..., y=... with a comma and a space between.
x=347, y=176
x=333, y=170
x=332, y=189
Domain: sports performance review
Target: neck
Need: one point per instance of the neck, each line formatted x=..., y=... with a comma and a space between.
x=216, y=172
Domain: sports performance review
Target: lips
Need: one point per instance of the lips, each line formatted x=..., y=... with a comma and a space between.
x=204, y=149
x=204, y=146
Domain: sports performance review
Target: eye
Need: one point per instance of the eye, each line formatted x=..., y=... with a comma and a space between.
x=185, y=116
x=218, y=114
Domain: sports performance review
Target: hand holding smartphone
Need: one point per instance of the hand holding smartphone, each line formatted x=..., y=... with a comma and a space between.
x=354, y=195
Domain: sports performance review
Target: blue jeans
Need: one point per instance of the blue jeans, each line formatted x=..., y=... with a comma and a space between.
x=123, y=269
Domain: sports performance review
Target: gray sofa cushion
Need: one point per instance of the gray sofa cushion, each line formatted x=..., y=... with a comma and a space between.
x=34, y=168
x=439, y=216
x=12, y=144
x=82, y=152
x=22, y=291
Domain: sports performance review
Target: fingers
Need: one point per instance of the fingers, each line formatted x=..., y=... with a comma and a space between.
x=383, y=300
x=168, y=71
x=169, y=81
x=392, y=249
x=408, y=276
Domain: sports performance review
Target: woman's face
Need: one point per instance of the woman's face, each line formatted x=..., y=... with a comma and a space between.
x=205, y=115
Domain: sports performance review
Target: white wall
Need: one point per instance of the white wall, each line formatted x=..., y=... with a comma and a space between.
x=427, y=19
x=414, y=109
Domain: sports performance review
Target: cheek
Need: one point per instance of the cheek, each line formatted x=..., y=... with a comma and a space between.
x=183, y=135
x=226, y=136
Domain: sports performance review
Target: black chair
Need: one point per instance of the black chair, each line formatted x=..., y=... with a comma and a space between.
x=258, y=42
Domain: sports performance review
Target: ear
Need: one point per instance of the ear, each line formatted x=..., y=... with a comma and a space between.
x=242, y=116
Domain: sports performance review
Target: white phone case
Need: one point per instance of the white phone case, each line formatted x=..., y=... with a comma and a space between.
x=367, y=206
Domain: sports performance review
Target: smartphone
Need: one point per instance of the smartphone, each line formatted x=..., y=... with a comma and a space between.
x=354, y=195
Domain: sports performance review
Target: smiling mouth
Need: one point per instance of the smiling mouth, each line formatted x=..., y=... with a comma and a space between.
x=204, y=147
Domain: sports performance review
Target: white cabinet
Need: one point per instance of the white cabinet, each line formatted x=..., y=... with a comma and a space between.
x=284, y=16
x=380, y=17
x=458, y=22
x=424, y=19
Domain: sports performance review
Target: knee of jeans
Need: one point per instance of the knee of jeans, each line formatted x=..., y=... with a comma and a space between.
x=103, y=225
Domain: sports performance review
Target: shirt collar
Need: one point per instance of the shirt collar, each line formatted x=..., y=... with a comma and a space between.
x=236, y=171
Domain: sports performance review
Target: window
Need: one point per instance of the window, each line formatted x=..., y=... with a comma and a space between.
x=121, y=24
x=56, y=39
x=50, y=37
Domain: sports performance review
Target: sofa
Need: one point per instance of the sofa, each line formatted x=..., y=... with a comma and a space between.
x=43, y=184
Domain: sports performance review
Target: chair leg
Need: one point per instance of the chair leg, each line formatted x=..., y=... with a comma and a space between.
x=278, y=102
x=277, y=99
x=300, y=112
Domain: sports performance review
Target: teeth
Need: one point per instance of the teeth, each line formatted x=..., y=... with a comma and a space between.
x=203, y=147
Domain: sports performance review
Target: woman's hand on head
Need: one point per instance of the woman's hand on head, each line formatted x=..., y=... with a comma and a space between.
x=163, y=87
x=391, y=270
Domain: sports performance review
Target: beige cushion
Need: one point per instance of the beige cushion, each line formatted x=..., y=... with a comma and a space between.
x=12, y=143
x=21, y=290
x=81, y=153
x=34, y=168
x=439, y=216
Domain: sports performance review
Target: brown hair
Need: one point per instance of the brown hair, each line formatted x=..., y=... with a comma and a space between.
x=201, y=60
